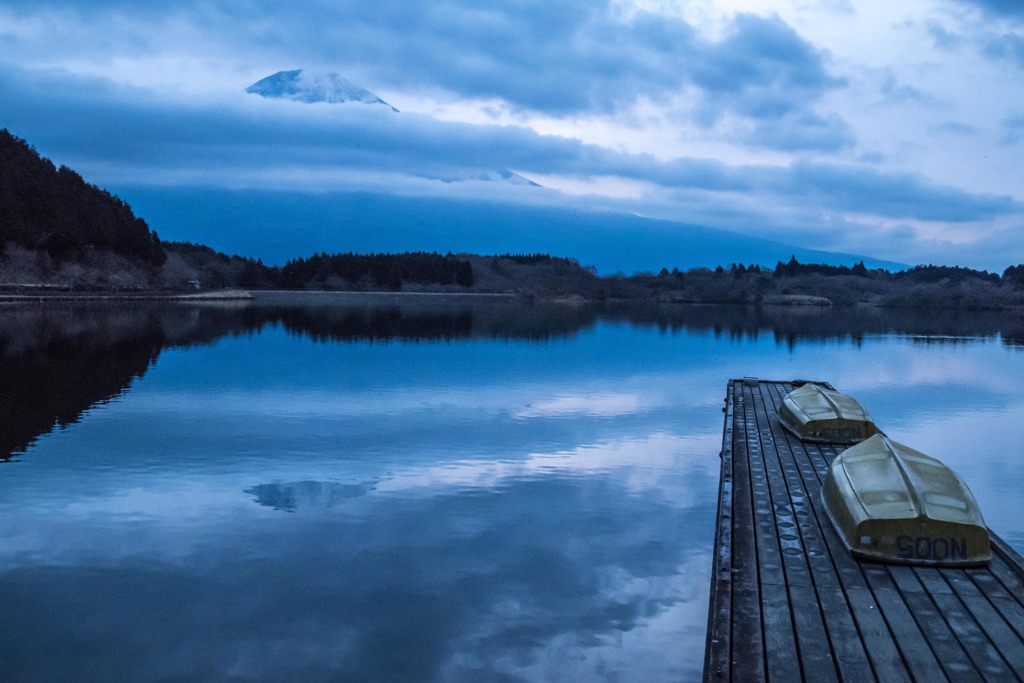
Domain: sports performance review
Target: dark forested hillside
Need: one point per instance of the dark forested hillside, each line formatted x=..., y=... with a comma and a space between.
x=53, y=210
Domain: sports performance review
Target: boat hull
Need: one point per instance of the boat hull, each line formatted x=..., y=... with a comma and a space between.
x=890, y=503
x=819, y=414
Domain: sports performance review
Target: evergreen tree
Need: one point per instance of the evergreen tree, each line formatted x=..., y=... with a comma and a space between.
x=55, y=211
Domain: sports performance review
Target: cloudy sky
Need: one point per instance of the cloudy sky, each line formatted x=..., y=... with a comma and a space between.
x=889, y=129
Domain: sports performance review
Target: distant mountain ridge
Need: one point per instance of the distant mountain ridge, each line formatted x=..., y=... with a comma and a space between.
x=312, y=87
x=58, y=231
x=277, y=226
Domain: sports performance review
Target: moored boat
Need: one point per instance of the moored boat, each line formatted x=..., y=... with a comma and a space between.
x=891, y=503
x=821, y=414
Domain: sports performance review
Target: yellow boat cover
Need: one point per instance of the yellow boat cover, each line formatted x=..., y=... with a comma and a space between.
x=894, y=504
x=820, y=414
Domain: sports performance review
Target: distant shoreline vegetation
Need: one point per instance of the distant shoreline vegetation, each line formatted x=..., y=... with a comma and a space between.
x=59, y=234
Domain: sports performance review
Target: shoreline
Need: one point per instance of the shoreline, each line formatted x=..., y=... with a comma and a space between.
x=243, y=297
x=256, y=296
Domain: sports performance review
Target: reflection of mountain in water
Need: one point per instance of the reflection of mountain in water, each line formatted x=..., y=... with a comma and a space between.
x=307, y=495
x=59, y=359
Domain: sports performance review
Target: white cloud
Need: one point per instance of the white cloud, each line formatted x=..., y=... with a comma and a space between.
x=869, y=115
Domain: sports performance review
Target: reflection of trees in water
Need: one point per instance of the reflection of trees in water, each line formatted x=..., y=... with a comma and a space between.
x=785, y=324
x=790, y=324
x=59, y=359
x=426, y=323
x=55, y=364
x=374, y=325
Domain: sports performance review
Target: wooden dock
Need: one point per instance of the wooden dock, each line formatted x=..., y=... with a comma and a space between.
x=789, y=603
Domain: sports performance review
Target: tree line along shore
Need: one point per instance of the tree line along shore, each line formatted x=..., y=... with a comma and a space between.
x=60, y=235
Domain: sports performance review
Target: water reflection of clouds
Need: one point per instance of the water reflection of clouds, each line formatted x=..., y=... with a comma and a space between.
x=525, y=398
x=892, y=363
x=593, y=405
x=274, y=509
x=572, y=563
x=653, y=650
x=680, y=470
x=673, y=464
x=544, y=582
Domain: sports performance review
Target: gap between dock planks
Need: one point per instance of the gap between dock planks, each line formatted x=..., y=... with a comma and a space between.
x=788, y=602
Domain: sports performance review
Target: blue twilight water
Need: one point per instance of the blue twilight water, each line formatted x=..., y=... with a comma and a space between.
x=481, y=493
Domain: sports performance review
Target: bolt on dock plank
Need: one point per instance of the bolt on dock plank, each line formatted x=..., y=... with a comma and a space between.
x=789, y=602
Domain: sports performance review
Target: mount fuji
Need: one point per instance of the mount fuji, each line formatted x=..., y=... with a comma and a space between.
x=280, y=225
x=303, y=86
x=313, y=87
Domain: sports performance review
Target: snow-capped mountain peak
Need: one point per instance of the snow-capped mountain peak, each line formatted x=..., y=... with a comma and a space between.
x=303, y=86
x=328, y=87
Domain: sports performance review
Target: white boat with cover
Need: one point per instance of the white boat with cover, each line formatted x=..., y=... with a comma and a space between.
x=818, y=413
x=891, y=503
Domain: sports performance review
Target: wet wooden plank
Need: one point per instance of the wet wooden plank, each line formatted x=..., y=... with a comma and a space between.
x=906, y=635
x=769, y=554
x=778, y=634
x=1009, y=571
x=747, y=648
x=850, y=658
x=1009, y=605
x=1002, y=653
x=785, y=490
x=951, y=655
x=717, y=652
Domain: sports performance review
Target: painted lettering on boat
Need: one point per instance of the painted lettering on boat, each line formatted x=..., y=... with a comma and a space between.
x=928, y=548
x=841, y=433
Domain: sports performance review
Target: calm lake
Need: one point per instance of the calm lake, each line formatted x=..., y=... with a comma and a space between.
x=424, y=491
